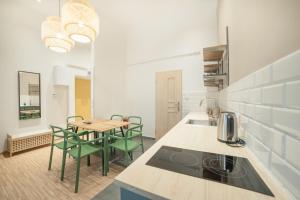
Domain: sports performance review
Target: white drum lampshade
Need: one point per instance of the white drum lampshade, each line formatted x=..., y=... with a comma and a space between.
x=54, y=37
x=80, y=20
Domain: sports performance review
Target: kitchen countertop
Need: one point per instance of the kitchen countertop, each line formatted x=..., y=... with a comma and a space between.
x=173, y=185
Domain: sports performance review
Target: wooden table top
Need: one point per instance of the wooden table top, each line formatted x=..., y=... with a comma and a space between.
x=99, y=125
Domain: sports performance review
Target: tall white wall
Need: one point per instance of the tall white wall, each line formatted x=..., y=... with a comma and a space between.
x=140, y=86
x=109, y=69
x=22, y=49
x=162, y=36
x=260, y=32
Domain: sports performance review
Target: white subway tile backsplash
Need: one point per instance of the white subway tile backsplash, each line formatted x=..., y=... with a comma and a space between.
x=244, y=96
x=267, y=103
x=278, y=142
x=263, y=76
x=273, y=95
x=293, y=94
x=292, y=151
x=253, y=128
x=255, y=96
x=289, y=176
x=265, y=136
x=288, y=67
x=263, y=114
x=262, y=152
x=250, y=110
x=287, y=120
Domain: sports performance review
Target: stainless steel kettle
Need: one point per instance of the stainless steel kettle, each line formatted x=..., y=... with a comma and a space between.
x=227, y=128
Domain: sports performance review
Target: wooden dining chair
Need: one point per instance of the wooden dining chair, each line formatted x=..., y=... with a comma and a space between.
x=83, y=149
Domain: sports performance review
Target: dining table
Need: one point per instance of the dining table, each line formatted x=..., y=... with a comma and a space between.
x=103, y=126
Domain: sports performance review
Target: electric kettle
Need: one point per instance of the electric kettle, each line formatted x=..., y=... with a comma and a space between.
x=227, y=128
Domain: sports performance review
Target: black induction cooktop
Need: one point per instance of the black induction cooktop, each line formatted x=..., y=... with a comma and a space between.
x=231, y=170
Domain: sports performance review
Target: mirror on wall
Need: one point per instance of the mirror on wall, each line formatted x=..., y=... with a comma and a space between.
x=29, y=95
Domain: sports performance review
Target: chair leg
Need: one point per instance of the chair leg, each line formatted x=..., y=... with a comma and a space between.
x=50, y=160
x=77, y=175
x=142, y=144
x=130, y=155
x=63, y=165
x=88, y=160
x=101, y=154
x=127, y=158
x=103, y=166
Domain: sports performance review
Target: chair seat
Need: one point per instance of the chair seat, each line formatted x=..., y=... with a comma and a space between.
x=134, y=134
x=86, y=149
x=120, y=144
x=70, y=143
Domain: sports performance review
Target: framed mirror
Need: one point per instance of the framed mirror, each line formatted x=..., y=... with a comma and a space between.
x=29, y=95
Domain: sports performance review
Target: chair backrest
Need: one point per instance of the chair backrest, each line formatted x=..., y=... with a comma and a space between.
x=117, y=117
x=134, y=121
x=57, y=131
x=133, y=128
x=71, y=134
x=70, y=118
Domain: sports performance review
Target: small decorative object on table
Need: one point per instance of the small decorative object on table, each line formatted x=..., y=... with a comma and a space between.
x=125, y=119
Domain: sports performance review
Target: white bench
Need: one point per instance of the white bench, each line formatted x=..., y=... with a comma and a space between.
x=24, y=141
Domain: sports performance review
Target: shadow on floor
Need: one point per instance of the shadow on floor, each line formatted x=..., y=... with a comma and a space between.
x=112, y=192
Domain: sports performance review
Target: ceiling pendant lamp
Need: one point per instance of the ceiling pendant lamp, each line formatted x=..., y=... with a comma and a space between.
x=54, y=36
x=80, y=20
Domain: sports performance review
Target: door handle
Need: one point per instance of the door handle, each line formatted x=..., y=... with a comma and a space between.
x=178, y=106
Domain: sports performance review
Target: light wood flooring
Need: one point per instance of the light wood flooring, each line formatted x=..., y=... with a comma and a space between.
x=26, y=176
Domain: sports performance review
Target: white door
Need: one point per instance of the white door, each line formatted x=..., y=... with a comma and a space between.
x=168, y=101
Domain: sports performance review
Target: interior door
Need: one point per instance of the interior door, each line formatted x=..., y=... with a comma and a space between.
x=168, y=101
x=83, y=98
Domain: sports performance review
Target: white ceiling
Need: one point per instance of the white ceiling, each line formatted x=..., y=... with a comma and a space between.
x=125, y=11
x=134, y=13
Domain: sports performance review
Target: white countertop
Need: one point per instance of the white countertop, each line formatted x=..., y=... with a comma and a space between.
x=174, y=185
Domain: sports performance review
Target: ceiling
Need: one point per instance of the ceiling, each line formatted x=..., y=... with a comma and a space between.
x=125, y=11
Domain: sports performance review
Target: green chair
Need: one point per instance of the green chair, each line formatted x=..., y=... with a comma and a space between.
x=126, y=144
x=117, y=117
x=71, y=118
x=64, y=143
x=83, y=149
x=135, y=121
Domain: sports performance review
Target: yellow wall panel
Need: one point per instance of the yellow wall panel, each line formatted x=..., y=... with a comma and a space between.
x=83, y=98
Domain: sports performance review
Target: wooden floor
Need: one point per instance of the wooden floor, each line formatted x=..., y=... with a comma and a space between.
x=26, y=176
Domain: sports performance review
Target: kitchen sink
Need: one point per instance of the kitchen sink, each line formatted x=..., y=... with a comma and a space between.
x=201, y=122
x=198, y=122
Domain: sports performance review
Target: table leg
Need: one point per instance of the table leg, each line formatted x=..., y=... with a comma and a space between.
x=122, y=131
x=105, y=157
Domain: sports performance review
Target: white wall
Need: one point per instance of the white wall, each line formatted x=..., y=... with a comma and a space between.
x=260, y=32
x=162, y=36
x=140, y=86
x=268, y=105
x=22, y=49
x=109, y=69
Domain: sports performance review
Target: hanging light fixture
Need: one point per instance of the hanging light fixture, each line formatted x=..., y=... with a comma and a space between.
x=53, y=35
x=80, y=20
